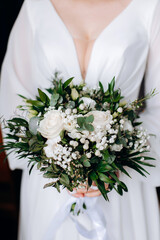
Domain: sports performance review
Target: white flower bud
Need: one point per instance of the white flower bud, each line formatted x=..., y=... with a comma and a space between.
x=74, y=110
x=74, y=94
x=120, y=110
x=97, y=153
x=81, y=106
x=85, y=146
x=88, y=155
x=68, y=111
x=82, y=140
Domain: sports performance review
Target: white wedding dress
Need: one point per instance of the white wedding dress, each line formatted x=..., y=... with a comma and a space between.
x=127, y=48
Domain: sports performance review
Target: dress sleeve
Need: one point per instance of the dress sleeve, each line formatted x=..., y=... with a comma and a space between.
x=16, y=71
x=151, y=115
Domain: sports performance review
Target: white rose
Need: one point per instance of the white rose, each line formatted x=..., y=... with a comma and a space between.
x=100, y=118
x=51, y=125
x=89, y=102
x=116, y=147
x=128, y=126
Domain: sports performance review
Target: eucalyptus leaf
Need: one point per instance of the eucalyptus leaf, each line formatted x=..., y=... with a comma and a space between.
x=33, y=125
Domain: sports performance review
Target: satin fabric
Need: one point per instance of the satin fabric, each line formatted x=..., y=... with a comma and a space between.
x=128, y=48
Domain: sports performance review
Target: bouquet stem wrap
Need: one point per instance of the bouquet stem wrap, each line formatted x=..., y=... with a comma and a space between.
x=96, y=216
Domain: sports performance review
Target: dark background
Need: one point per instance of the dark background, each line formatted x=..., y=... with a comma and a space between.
x=9, y=180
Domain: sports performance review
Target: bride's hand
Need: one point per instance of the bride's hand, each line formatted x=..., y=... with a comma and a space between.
x=84, y=192
x=93, y=191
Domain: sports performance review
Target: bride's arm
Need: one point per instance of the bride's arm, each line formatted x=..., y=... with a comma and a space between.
x=17, y=71
x=151, y=115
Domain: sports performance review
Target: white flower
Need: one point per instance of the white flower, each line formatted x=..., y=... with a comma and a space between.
x=85, y=146
x=120, y=110
x=69, y=126
x=73, y=134
x=81, y=106
x=51, y=125
x=100, y=118
x=128, y=126
x=88, y=155
x=116, y=147
x=68, y=111
x=97, y=153
x=82, y=140
x=74, y=94
x=88, y=102
x=51, y=145
x=74, y=156
x=75, y=110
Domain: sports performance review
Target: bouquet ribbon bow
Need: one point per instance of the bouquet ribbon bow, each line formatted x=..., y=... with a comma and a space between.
x=95, y=214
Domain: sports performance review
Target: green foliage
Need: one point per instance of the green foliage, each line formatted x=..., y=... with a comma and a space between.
x=85, y=123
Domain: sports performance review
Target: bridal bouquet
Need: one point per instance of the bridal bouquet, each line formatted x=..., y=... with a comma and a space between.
x=76, y=135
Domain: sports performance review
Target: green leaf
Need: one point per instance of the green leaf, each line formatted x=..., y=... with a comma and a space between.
x=89, y=127
x=35, y=103
x=104, y=178
x=60, y=89
x=80, y=121
x=22, y=96
x=33, y=125
x=57, y=185
x=19, y=121
x=120, y=191
x=102, y=189
x=93, y=176
x=109, y=158
x=101, y=87
x=111, y=86
x=85, y=161
x=64, y=179
x=44, y=98
x=49, y=175
x=66, y=83
x=89, y=119
x=49, y=185
x=54, y=99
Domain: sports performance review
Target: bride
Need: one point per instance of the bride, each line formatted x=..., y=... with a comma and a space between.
x=92, y=40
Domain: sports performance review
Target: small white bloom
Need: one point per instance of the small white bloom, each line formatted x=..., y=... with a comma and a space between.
x=88, y=102
x=116, y=147
x=121, y=121
x=81, y=106
x=74, y=156
x=120, y=110
x=68, y=111
x=111, y=140
x=86, y=133
x=97, y=153
x=88, y=155
x=71, y=143
x=75, y=144
x=74, y=110
x=85, y=146
x=82, y=140
x=101, y=148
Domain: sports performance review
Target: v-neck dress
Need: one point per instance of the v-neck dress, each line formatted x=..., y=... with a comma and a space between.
x=129, y=49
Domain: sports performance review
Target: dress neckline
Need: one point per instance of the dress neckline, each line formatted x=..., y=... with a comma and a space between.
x=97, y=39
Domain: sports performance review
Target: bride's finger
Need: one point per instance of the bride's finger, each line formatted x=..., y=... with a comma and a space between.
x=93, y=193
